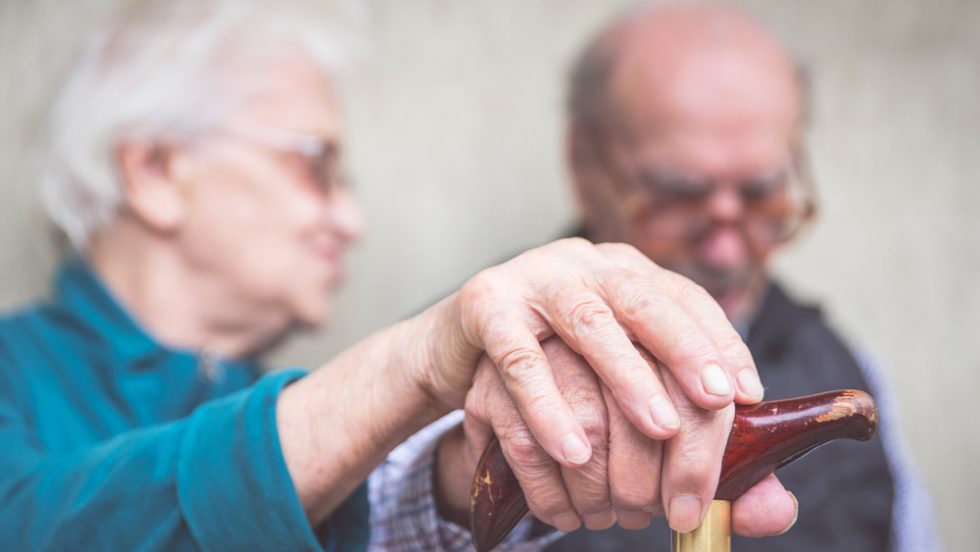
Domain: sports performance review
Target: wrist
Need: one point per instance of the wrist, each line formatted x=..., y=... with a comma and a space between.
x=445, y=360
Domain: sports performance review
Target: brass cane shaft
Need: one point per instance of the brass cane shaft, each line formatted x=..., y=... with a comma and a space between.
x=713, y=535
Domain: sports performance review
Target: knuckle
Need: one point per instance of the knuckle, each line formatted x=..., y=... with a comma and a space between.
x=567, y=249
x=635, y=494
x=575, y=243
x=630, y=499
x=587, y=315
x=546, y=503
x=474, y=287
x=591, y=493
x=640, y=302
x=479, y=302
x=688, y=289
x=518, y=365
x=695, y=468
x=635, y=486
x=525, y=451
x=480, y=287
x=626, y=252
x=616, y=247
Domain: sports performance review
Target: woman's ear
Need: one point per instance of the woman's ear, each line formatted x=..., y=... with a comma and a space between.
x=151, y=191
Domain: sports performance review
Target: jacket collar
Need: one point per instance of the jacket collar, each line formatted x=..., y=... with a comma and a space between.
x=80, y=293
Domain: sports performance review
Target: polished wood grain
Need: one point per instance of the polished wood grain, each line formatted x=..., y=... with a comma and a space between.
x=764, y=438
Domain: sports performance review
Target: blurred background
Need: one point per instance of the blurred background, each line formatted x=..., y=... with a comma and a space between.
x=455, y=129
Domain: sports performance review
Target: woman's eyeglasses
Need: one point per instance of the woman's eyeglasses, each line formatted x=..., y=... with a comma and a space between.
x=317, y=158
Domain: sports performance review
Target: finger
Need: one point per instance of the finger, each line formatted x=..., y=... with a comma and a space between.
x=586, y=323
x=587, y=485
x=737, y=360
x=668, y=331
x=476, y=423
x=634, y=470
x=703, y=308
x=705, y=311
x=537, y=473
x=765, y=509
x=692, y=460
x=528, y=377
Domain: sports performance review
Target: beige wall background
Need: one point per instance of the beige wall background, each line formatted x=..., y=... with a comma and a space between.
x=456, y=146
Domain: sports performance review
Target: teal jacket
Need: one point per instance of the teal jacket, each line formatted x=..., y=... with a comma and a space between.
x=111, y=441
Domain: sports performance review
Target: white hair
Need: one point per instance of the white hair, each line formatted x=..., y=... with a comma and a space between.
x=157, y=73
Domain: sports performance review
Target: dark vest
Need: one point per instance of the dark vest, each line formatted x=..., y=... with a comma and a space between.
x=844, y=488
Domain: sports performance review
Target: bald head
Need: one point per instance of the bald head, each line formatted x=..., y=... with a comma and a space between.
x=681, y=59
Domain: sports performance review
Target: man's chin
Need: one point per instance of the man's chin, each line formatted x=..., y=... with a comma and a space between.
x=723, y=286
x=736, y=293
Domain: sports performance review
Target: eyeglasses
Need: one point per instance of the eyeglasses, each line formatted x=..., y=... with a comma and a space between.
x=673, y=205
x=316, y=158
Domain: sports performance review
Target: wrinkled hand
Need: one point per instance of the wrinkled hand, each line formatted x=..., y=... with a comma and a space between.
x=599, y=300
x=630, y=478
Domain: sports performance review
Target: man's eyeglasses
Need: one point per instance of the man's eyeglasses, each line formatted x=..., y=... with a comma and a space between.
x=673, y=205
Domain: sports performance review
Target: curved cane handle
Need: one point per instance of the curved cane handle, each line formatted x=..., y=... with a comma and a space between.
x=764, y=438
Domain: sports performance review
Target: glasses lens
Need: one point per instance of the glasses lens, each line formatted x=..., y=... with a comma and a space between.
x=321, y=168
x=774, y=205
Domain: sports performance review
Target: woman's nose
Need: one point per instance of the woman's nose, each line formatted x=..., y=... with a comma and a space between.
x=345, y=217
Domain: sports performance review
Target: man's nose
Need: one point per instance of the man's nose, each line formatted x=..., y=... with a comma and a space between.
x=725, y=204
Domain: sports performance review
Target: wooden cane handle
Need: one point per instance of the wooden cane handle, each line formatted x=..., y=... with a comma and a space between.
x=764, y=437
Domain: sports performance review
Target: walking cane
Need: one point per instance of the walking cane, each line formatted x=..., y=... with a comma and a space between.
x=764, y=437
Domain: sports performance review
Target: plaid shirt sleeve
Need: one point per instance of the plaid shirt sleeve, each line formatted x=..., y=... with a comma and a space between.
x=403, y=510
x=913, y=526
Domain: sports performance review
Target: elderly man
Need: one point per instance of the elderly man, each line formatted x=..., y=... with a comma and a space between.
x=194, y=167
x=685, y=141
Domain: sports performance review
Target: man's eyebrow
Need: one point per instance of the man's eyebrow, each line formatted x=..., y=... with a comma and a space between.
x=663, y=173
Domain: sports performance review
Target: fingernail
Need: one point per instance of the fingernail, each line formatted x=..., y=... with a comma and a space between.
x=574, y=449
x=748, y=380
x=684, y=514
x=598, y=522
x=566, y=522
x=796, y=512
x=715, y=380
x=633, y=520
x=663, y=413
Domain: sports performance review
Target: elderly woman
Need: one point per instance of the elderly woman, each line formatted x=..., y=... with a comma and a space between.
x=194, y=168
